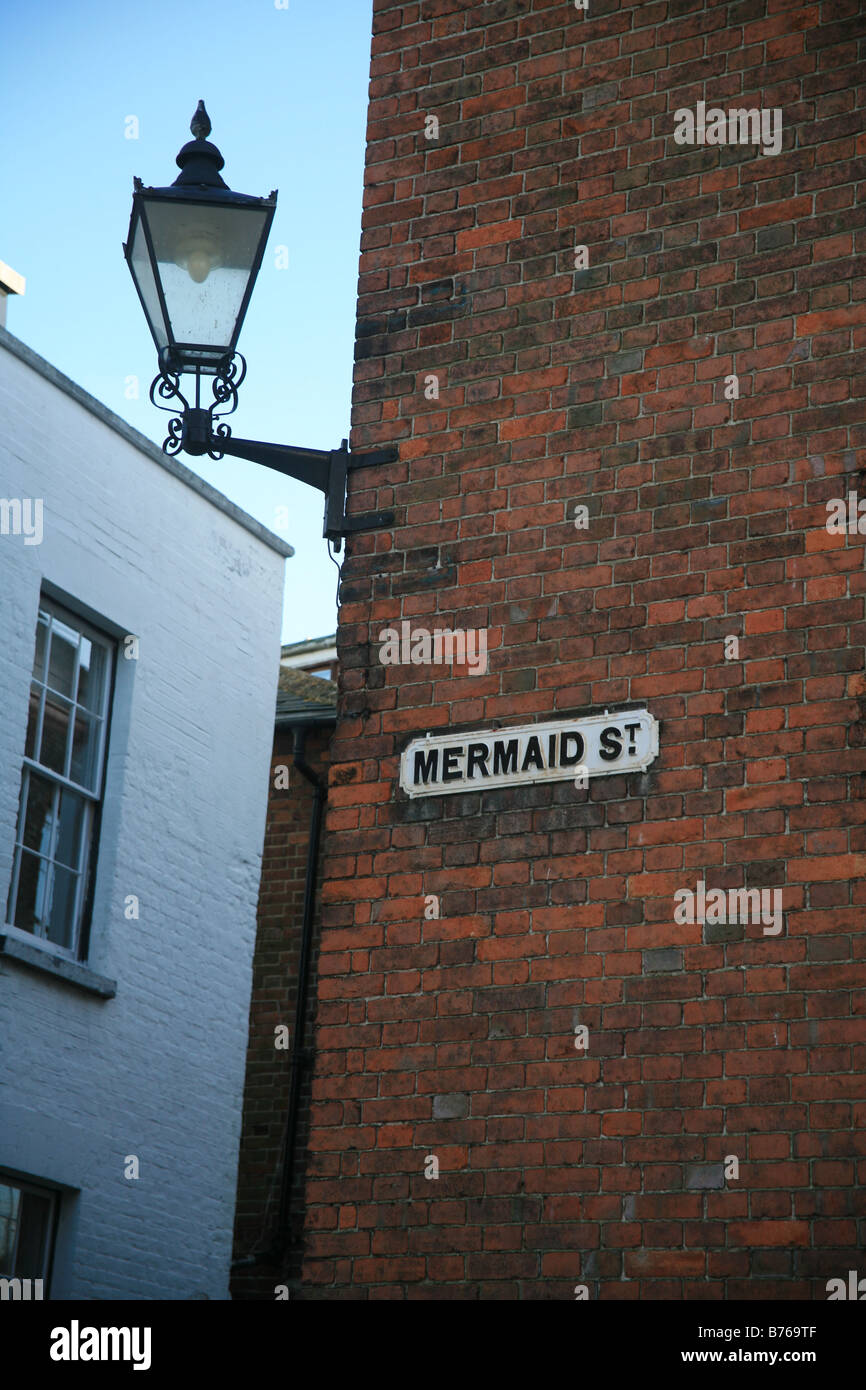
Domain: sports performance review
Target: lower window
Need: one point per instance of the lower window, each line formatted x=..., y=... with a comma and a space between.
x=27, y=1220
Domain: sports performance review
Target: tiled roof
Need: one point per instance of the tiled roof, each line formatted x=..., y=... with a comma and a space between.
x=305, y=699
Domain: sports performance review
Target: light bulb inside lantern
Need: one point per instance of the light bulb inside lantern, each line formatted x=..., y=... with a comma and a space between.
x=197, y=251
x=198, y=266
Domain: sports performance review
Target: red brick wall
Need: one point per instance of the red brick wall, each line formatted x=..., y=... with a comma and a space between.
x=603, y=386
x=273, y=1002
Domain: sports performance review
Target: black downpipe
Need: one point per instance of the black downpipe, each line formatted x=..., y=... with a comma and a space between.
x=300, y=1057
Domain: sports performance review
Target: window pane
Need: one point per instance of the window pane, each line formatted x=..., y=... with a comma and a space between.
x=85, y=744
x=55, y=730
x=33, y=889
x=33, y=1235
x=62, y=919
x=39, y=815
x=66, y=736
x=41, y=643
x=9, y=1199
x=31, y=746
x=61, y=666
x=67, y=848
x=91, y=675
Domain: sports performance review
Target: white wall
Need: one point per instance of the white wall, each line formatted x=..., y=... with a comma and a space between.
x=158, y=1070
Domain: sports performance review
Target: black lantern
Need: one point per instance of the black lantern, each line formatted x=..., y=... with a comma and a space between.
x=194, y=250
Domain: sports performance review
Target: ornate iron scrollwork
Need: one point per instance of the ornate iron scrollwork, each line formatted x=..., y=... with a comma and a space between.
x=199, y=430
x=167, y=387
x=225, y=382
x=227, y=379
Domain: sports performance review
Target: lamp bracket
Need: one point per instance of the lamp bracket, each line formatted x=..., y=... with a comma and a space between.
x=193, y=430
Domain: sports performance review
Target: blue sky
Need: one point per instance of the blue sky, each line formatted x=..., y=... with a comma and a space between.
x=286, y=91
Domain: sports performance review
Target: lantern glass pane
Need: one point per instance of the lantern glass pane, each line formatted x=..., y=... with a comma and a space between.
x=143, y=272
x=205, y=256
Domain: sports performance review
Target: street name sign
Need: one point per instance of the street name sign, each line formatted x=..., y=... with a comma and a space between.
x=598, y=746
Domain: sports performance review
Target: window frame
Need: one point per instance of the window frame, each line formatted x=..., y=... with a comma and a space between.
x=53, y=1196
x=91, y=796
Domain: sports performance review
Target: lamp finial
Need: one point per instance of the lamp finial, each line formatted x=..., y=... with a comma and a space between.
x=200, y=124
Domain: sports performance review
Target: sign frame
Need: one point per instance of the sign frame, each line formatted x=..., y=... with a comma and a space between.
x=564, y=746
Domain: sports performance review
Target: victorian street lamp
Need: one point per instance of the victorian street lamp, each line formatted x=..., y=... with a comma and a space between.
x=194, y=251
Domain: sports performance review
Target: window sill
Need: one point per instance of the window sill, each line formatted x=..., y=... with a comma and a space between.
x=70, y=971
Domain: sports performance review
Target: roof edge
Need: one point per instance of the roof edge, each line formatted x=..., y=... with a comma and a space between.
x=142, y=443
x=298, y=717
x=309, y=644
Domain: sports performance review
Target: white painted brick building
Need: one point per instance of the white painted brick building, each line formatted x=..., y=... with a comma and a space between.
x=138, y=1049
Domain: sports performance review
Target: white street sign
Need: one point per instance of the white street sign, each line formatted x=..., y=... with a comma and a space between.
x=597, y=746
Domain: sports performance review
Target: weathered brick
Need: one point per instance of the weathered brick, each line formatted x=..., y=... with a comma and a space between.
x=705, y=587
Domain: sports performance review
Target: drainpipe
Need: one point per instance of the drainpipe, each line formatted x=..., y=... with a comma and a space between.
x=301, y=1057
